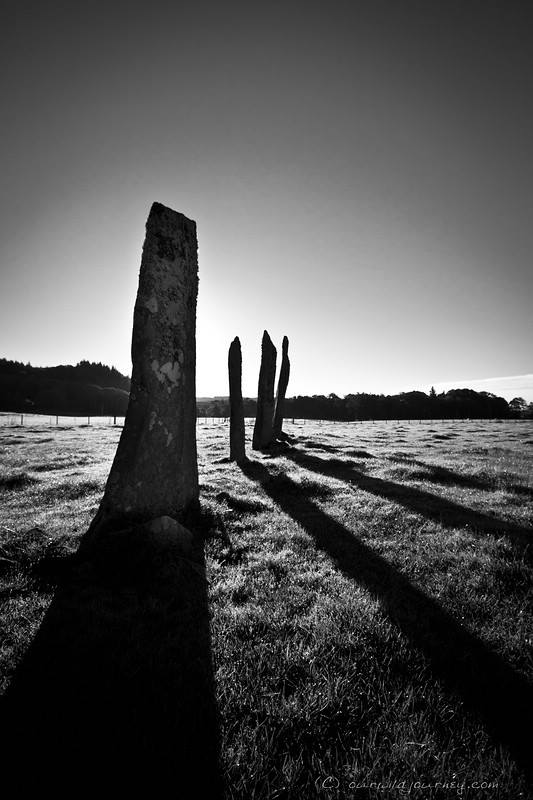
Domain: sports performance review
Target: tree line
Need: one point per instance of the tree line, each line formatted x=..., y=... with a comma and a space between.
x=86, y=388
x=453, y=404
x=83, y=372
x=93, y=387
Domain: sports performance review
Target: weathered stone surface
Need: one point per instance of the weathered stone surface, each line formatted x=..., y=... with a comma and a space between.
x=283, y=381
x=236, y=423
x=167, y=534
x=155, y=473
x=264, y=418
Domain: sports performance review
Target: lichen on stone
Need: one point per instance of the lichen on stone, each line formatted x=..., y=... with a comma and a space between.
x=170, y=371
x=151, y=305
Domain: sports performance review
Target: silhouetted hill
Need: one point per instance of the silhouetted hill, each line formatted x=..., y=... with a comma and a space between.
x=87, y=388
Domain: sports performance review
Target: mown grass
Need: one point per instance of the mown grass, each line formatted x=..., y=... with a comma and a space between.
x=369, y=590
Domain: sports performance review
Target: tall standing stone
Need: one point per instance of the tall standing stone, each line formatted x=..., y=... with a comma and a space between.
x=264, y=417
x=155, y=470
x=236, y=421
x=283, y=381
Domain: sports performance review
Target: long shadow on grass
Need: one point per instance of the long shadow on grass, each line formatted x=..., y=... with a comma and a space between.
x=117, y=689
x=427, y=504
x=501, y=697
x=443, y=475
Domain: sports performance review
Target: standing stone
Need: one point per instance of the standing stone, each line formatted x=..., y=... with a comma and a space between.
x=236, y=423
x=264, y=417
x=283, y=381
x=155, y=471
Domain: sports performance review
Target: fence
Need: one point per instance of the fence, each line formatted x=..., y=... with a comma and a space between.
x=15, y=419
x=20, y=419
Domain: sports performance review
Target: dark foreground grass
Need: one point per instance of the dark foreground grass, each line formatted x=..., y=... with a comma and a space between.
x=117, y=685
x=369, y=597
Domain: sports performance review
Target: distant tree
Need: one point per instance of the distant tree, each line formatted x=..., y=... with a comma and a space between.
x=219, y=408
x=8, y=367
x=433, y=393
x=518, y=406
x=250, y=406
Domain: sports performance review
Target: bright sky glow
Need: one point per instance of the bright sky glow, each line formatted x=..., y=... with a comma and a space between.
x=360, y=174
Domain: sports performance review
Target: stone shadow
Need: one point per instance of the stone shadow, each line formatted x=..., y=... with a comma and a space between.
x=240, y=504
x=445, y=476
x=116, y=692
x=312, y=444
x=357, y=453
x=487, y=685
x=429, y=505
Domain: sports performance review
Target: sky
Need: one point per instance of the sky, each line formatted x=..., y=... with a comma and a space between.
x=360, y=173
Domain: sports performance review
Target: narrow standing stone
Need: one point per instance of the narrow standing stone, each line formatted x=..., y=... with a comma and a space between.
x=155, y=470
x=236, y=423
x=283, y=381
x=264, y=417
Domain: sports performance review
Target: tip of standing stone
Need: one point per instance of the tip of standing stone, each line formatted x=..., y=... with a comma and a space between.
x=158, y=211
x=267, y=341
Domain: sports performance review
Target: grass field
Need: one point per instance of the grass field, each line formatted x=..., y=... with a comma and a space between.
x=369, y=591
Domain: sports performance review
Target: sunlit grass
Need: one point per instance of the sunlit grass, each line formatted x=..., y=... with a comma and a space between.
x=316, y=674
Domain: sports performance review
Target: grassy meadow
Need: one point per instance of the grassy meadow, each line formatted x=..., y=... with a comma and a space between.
x=369, y=592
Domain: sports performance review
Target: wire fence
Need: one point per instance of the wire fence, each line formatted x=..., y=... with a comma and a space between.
x=14, y=419
x=18, y=419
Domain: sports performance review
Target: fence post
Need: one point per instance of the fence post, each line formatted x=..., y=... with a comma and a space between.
x=22, y=419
